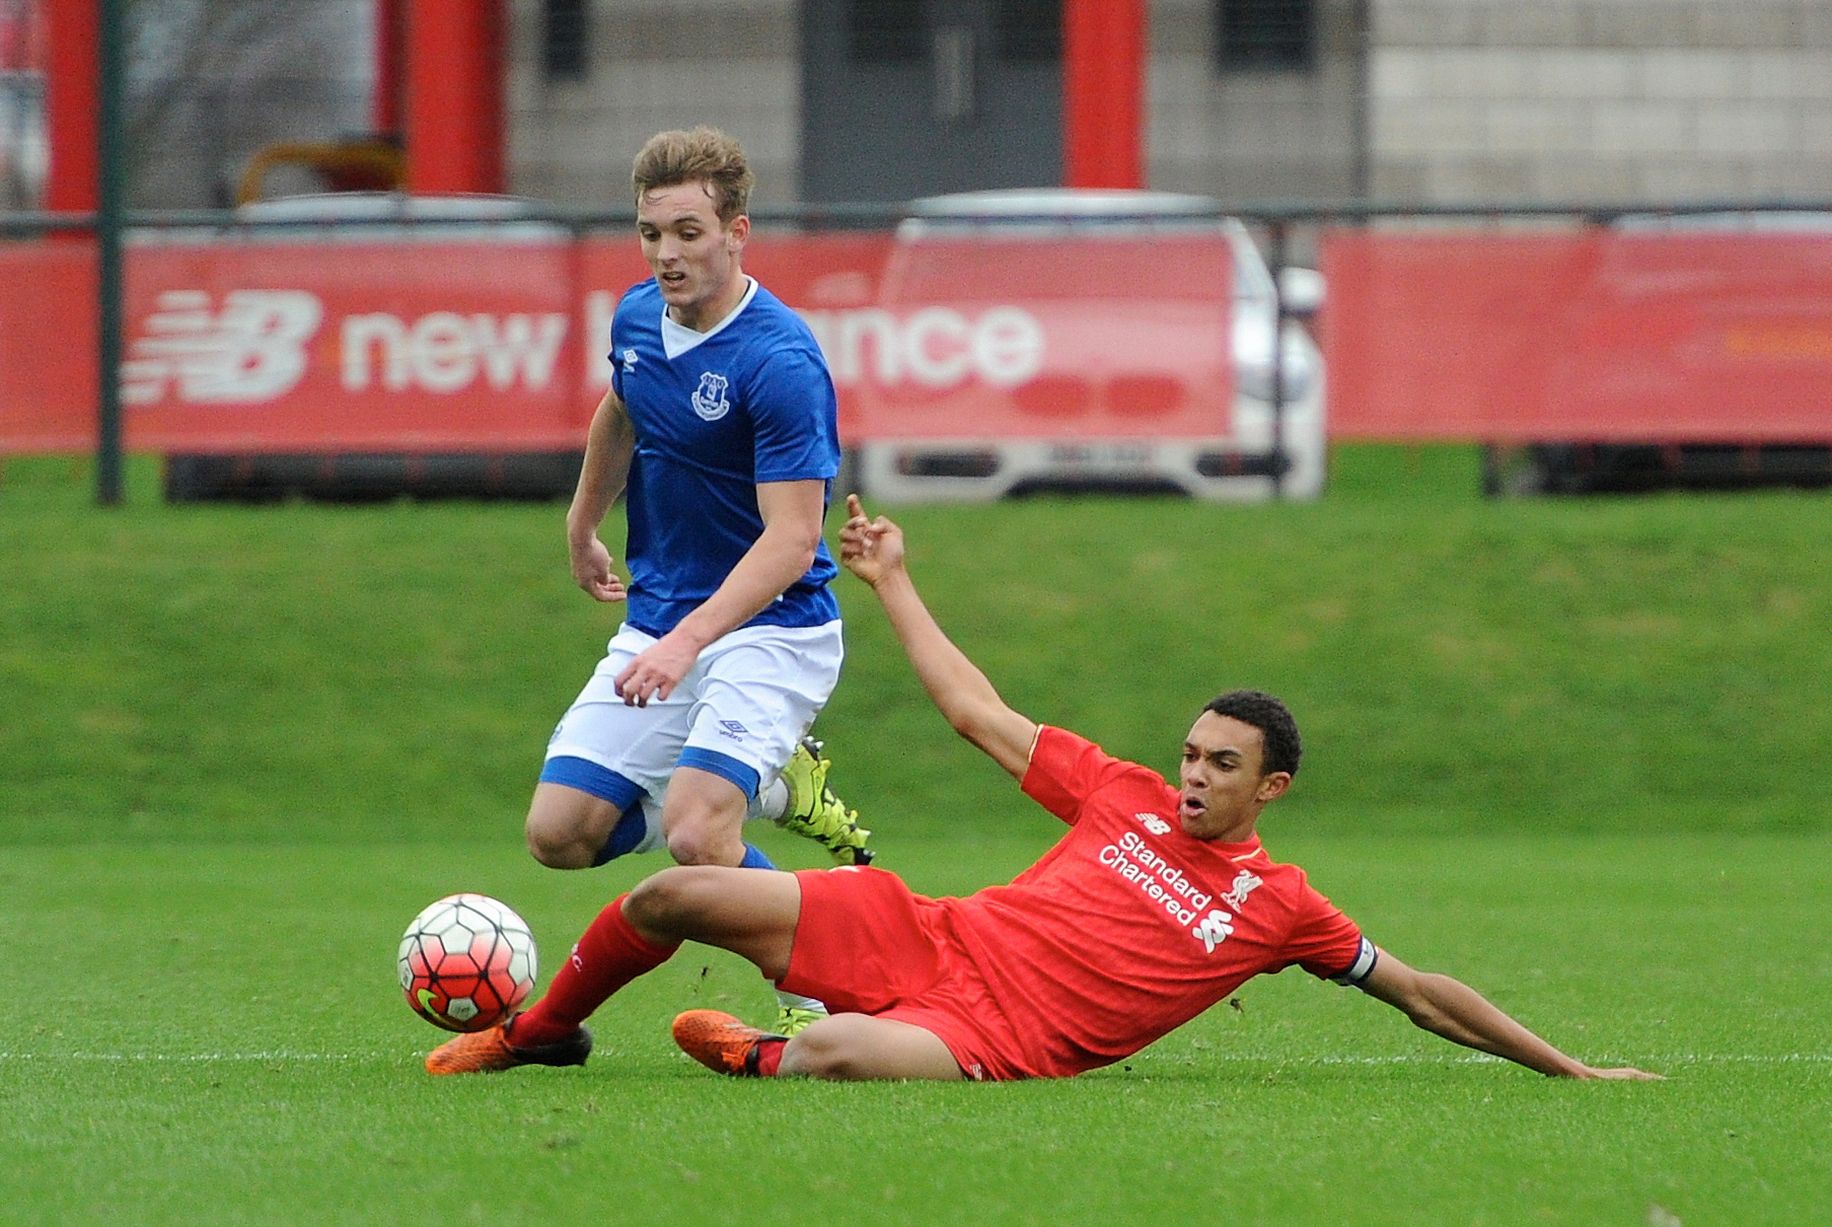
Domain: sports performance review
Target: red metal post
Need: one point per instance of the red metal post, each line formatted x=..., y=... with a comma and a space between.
x=1103, y=75
x=454, y=120
x=390, y=48
x=71, y=100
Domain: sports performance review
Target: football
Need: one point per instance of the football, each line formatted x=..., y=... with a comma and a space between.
x=467, y=962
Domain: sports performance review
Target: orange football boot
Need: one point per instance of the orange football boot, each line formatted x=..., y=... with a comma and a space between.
x=486, y=1052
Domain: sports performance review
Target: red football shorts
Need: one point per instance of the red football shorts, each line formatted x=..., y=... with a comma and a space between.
x=867, y=944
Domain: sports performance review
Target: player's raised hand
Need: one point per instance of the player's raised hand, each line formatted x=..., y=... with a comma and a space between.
x=869, y=548
x=591, y=570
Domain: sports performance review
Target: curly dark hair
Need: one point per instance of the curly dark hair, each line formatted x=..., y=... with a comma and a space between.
x=1272, y=718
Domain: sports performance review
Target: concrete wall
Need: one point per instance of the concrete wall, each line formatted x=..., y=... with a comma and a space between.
x=1608, y=99
x=655, y=64
x=1258, y=134
x=1409, y=99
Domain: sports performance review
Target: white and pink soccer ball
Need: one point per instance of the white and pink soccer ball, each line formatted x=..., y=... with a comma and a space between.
x=467, y=962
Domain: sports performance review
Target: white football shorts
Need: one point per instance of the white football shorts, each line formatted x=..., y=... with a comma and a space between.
x=738, y=713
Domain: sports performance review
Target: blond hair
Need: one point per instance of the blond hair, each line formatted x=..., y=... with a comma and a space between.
x=703, y=155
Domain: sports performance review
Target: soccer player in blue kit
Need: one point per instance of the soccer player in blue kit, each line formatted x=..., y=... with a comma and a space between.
x=720, y=426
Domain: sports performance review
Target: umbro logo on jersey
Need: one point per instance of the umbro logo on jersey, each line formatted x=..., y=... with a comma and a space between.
x=732, y=729
x=629, y=362
x=709, y=398
x=1214, y=929
x=1153, y=823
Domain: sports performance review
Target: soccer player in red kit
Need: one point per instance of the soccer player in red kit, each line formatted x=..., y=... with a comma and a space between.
x=1157, y=904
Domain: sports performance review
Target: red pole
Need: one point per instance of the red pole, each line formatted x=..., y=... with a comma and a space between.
x=390, y=40
x=454, y=95
x=71, y=99
x=1103, y=72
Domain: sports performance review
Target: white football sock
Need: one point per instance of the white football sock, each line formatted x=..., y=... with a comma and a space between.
x=772, y=801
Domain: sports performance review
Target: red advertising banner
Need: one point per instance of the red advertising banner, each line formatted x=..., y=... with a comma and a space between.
x=372, y=346
x=1033, y=336
x=1603, y=336
x=412, y=345
x=331, y=346
x=426, y=346
x=47, y=347
x=355, y=347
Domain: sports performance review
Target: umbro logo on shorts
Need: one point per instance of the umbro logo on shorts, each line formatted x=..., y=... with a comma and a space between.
x=732, y=729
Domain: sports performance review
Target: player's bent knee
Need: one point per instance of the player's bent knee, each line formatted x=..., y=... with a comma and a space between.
x=852, y=1047
x=556, y=846
x=822, y=1050
x=555, y=854
x=670, y=901
x=703, y=824
x=704, y=844
x=566, y=828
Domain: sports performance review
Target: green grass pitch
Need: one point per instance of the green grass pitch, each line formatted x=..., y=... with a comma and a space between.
x=1574, y=753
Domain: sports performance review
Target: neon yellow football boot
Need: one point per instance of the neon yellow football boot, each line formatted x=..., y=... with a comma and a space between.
x=793, y=1019
x=815, y=812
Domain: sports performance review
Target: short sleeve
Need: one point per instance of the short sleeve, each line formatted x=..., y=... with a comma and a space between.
x=794, y=418
x=1326, y=943
x=611, y=354
x=616, y=373
x=1065, y=770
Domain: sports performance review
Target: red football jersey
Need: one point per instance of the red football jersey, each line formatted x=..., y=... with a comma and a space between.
x=1129, y=927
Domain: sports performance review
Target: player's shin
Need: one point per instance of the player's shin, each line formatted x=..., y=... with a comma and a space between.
x=609, y=954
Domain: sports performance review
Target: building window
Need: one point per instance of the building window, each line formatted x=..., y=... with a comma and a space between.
x=1029, y=31
x=1265, y=34
x=886, y=31
x=563, y=39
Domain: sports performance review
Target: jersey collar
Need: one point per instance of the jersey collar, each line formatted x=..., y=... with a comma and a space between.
x=677, y=339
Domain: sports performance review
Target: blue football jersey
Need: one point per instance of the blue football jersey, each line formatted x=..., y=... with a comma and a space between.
x=716, y=413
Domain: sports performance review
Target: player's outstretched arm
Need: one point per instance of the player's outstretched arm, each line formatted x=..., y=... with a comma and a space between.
x=1446, y=1006
x=608, y=447
x=872, y=549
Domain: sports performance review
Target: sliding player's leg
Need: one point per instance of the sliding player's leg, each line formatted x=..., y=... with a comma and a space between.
x=883, y=956
x=845, y=1047
x=751, y=914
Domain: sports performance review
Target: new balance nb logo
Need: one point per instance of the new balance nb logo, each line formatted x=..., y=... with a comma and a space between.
x=1153, y=823
x=253, y=349
x=1213, y=929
